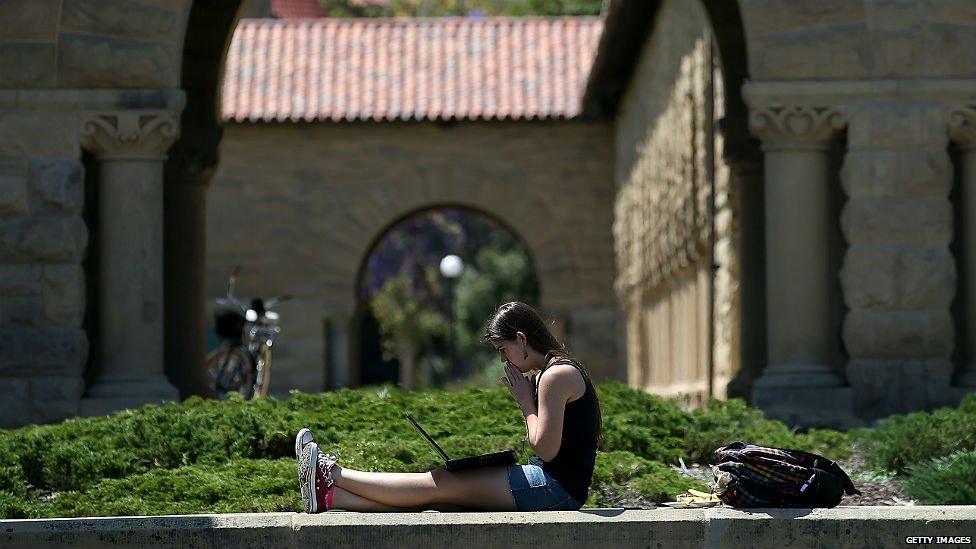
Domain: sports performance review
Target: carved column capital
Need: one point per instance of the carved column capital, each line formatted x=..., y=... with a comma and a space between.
x=796, y=127
x=962, y=126
x=129, y=135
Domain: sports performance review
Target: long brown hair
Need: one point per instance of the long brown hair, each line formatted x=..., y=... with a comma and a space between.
x=516, y=316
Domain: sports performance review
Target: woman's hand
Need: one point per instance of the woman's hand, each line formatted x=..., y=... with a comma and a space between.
x=521, y=387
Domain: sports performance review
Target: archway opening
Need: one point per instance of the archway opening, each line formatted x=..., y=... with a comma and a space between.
x=419, y=323
x=190, y=164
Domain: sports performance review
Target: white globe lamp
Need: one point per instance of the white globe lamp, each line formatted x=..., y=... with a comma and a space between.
x=451, y=266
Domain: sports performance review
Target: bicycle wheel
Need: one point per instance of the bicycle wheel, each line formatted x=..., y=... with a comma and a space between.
x=263, y=366
x=229, y=370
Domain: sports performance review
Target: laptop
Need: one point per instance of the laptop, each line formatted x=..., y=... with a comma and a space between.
x=508, y=457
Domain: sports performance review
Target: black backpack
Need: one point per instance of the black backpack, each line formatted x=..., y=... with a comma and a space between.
x=757, y=476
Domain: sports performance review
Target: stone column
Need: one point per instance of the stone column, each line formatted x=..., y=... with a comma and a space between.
x=898, y=275
x=130, y=147
x=798, y=383
x=962, y=126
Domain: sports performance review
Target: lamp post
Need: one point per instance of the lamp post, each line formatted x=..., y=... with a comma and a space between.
x=451, y=267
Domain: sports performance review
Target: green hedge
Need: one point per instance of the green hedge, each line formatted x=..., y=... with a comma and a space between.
x=949, y=480
x=902, y=442
x=238, y=486
x=624, y=479
x=719, y=422
x=221, y=456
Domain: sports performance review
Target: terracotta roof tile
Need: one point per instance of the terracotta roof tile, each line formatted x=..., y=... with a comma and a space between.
x=449, y=68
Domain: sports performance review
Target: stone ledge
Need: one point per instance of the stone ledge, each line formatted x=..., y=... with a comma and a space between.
x=662, y=527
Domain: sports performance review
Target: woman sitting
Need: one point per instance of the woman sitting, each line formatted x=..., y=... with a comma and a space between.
x=562, y=416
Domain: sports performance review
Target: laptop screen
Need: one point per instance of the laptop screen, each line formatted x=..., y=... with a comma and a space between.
x=429, y=439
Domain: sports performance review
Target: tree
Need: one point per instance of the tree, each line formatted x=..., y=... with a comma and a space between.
x=407, y=324
x=502, y=272
x=406, y=292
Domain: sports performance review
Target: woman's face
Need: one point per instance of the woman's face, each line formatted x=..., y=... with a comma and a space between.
x=510, y=352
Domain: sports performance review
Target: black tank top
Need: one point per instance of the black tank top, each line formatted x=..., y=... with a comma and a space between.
x=573, y=464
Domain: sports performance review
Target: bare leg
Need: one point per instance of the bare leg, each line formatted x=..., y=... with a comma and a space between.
x=348, y=501
x=485, y=488
x=342, y=499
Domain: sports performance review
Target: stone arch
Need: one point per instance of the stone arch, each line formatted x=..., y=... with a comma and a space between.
x=743, y=156
x=533, y=232
x=553, y=257
x=741, y=153
x=542, y=240
x=189, y=167
x=629, y=23
x=666, y=67
x=348, y=183
x=730, y=40
x=386, y=226
x=479, y=209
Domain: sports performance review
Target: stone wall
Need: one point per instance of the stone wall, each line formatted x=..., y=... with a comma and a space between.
x=890, y=75
x=42, y=294
x=75, y=44
x=843, y=39
x=898, y=277
x=44, y=245
x=667, y=178
x=299, y=206
x=58, y=61
x=610, y=528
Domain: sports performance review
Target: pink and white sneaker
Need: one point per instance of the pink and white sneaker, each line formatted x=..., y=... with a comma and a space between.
x=315, y=478
x=303, y=437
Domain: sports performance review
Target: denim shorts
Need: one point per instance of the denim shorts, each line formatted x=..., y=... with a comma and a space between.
x=534, y=490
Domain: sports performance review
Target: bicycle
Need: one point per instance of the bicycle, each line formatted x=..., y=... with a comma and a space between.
x=242, y=362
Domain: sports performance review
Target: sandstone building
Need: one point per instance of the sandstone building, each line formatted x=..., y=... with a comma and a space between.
x=789, y=190
x=338, y=129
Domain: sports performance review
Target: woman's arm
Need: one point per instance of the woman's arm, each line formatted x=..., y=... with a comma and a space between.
x=560, y=383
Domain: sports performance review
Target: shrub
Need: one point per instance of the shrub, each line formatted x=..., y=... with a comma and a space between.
x=79, y=452
x=360, y=424
x=644, y=424
x=240, y=486
x=109, y=465
x=720, y=422
x=15, y=506
x=13, y=481
x=945, y=481
x=186, y=451
x=624, y=479
x=833, y=445
x=901, y=442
